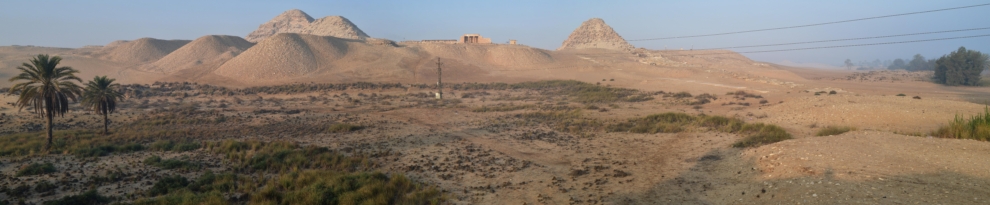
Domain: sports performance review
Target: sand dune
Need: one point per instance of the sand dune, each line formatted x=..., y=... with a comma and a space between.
x=204, y=50
x=284, y=55
x=491, y=55
x=142, y=50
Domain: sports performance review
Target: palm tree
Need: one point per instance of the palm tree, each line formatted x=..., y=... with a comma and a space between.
x=47, y=90
x=102, y=95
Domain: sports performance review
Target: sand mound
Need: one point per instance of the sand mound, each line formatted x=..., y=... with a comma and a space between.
x=291, y=21
x=284, y=55
x=336, y=26
x=594, y=33
x=204, y=50
x=141, y=50
x=491, y=55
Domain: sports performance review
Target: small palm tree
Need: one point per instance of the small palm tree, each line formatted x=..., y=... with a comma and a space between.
x=102, y=95
x=47, y=90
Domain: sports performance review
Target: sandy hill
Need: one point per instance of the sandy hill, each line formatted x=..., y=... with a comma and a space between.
x=291, y=21
x=594, y=33
x=491, y=56
x=138, y=51
x=285, y=55
x=211, y=49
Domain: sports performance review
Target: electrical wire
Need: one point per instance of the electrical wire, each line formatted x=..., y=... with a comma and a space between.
x=816, y=24
x=846, y=39
x=839, y=46
x=767, y=51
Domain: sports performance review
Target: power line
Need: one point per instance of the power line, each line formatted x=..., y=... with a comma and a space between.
x=817, y=24
x=839, y=46
x=768, y=51
x=846, y=39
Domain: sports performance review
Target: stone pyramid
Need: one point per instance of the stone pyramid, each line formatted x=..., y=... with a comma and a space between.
x=594, y=33
x=291, y=21
x=336, y=26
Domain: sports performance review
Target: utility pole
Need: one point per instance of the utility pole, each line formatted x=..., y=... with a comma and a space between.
x=439, y=79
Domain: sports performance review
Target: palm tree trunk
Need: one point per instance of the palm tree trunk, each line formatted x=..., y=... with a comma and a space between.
x=106, y=123
x=49, y=115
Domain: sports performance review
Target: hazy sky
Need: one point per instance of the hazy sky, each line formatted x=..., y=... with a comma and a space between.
x=543, y=24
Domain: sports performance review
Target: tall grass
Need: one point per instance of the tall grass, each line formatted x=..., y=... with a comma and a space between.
x=976, y=127
x=282, y=156
x=327, y=187
x=833, y=130
x=569, y=121
x=756, y=134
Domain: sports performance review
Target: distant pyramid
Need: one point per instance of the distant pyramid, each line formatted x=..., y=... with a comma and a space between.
x=296, y=21
x=336, y=26
x=291, y=21
x=594, y=33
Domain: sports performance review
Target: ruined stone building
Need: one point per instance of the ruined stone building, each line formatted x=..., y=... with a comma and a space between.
x=474, y=38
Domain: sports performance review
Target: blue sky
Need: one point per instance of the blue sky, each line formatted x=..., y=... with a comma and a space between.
x=543, y=24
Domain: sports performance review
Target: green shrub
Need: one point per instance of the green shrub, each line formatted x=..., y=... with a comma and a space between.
x=681, y=94
x=901, y=95
x=344, y=127
x=723, y=124
x=170, y=163
x=833, y=130
x=168, y=184
x=185, y=197
x=90, y=197
x=44, y=186
x=657, y=123
x=569, y=121
x=976, y=127
x=325, y=187
x=278, y=156
x=36, y=169
x=104, y=150
x=761, y=134
x=169, y=145
x=20, y=191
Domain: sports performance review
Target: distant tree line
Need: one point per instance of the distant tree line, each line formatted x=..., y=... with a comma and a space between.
x=961, y=67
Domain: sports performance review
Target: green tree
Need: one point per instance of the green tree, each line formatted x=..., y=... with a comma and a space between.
x=46, y=88
x=897, y=64
x=918, y=63
x=102, y=95
x=961, y=67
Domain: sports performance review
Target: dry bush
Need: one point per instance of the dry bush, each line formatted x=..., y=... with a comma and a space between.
x=833, y=130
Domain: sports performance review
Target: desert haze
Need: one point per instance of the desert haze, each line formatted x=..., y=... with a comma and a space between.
x=310, y=110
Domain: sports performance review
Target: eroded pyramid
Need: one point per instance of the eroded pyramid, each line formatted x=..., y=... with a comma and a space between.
x=594, y=33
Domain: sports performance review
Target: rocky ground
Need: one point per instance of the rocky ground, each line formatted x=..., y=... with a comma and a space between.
x=482, y=145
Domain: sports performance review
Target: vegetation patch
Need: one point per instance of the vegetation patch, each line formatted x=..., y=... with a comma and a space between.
x=168, y=184
x=327, y=187
x=760, y=134
x=343, y=127
x=171, y=145
x=976, y=127
x=36, y=169
x=502, y=108
x=170, y=163
x=756, y=134
x=833, y=130
x=90, y=197
x=569, y=121
x=582, y=92
x=280, y=156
